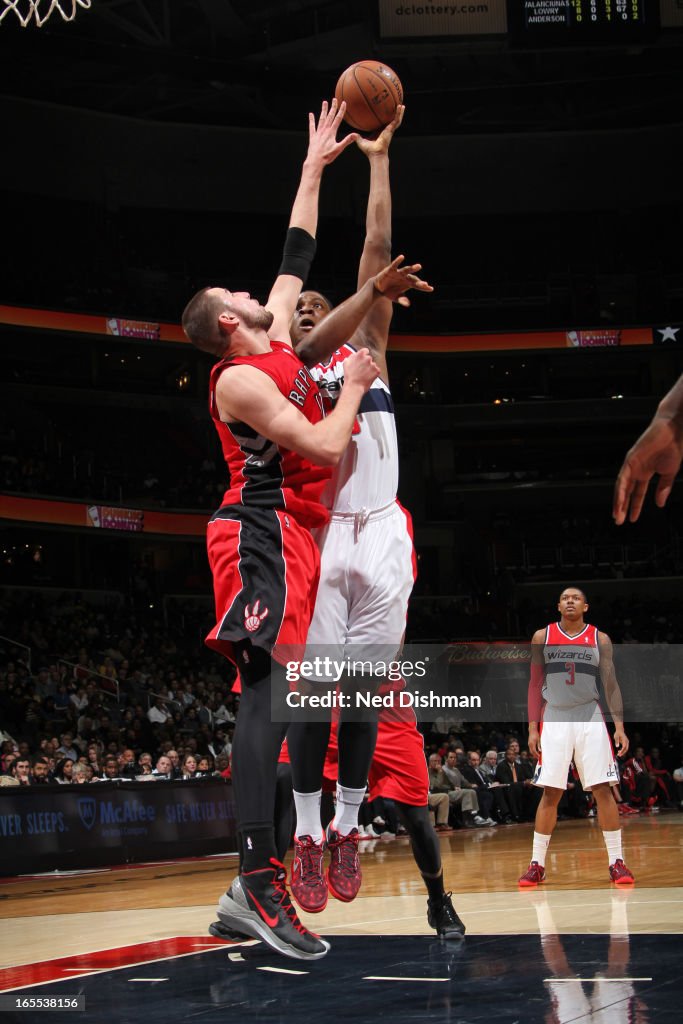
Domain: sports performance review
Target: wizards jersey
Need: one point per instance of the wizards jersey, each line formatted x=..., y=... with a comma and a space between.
x=366, y=477
x=261, y=473
x=571, y=667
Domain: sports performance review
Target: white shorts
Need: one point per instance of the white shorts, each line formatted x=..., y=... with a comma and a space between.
x=587, y=743
x=366, y=576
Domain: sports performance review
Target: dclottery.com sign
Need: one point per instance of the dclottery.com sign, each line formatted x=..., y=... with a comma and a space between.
x=441, y=19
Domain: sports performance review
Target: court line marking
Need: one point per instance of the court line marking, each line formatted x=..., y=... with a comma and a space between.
x=281, y=970
x=121, y=967
x=618, y=980
x=148, y=979
x=236, y=957
x=388, y=977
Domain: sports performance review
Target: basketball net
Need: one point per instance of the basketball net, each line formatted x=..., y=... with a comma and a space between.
x=40, y=10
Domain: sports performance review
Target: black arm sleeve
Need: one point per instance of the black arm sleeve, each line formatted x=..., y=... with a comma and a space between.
x=298, y=253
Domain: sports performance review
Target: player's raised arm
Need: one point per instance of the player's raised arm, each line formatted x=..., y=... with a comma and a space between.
x=373, y=332
x=245, y=394
x=299, y=248
x=535, y=696
x=658, y=450
x=612, y=692
x=389, y=285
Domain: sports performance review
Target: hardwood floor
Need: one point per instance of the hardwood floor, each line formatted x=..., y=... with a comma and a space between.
x=87, y=911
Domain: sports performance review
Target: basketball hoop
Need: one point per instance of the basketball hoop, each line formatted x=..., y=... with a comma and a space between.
x=40, y=10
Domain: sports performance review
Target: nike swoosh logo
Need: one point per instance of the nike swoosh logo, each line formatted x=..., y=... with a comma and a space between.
x=270, y=921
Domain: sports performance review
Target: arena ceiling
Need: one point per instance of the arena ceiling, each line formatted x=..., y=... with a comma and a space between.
x=263, y=64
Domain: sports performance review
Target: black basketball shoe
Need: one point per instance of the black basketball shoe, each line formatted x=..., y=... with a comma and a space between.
x=442, y=917
x=258, y=905
x=220, y=931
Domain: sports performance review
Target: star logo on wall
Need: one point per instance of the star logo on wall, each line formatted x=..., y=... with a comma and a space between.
x=667, y=333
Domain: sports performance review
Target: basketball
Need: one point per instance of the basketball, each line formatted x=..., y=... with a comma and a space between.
x=372, y=92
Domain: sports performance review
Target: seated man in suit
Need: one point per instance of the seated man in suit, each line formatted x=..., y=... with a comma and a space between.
x=521, y=794
x=490, y=793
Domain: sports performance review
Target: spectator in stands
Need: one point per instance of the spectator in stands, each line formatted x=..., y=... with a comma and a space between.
x=189, y=767
x=159, y=713
x=145, y=764
x=164, y=768
x=223, y=713
x=204, y=768
x=490, y=793
x=489, y=764
x=127, y=766
x=462, y=795
x=94, y=755
x=66, y=746
x=511, y=742
x=522, y=795
x=79, y=700
x=663, y=782
x=20, y=769
x=40, y=771
x=81, y=773
x=7, y=754
x=62, y=700
x=174, y=758
x=63, y=773
x=110, y=771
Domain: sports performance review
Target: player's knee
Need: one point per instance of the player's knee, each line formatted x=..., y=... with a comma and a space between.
x=551, y=796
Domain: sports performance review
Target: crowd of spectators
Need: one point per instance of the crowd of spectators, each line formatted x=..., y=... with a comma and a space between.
x=109, y=694
x=103, y=693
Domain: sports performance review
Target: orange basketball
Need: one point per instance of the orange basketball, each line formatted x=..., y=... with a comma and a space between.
x=372, y=92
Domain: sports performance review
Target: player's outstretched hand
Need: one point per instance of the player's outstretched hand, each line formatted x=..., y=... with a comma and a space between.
x=323, y=147
x=381, y=140
x=658, y=450
x=395, y=280
x=360, y=368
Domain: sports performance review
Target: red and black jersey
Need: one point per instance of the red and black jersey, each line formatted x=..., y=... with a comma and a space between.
x=261, y=473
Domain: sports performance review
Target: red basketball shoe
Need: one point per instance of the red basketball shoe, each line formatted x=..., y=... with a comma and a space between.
x=533, y=876
x=344, y=875
x=620, y=874
x=308, y=884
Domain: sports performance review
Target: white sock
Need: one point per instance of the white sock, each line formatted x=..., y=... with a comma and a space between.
x=346, y=816
x=308, y=815
x=613, y=844
x=539, y=848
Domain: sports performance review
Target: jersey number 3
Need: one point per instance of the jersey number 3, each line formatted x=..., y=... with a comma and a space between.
x=571, y=668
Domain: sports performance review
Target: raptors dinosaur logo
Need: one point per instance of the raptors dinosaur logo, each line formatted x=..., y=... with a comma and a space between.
x=253, y=617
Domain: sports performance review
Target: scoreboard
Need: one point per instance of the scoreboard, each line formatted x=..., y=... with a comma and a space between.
x=582, y=21
x=531, y=22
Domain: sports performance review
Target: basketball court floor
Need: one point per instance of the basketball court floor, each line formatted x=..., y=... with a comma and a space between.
x=133, y=941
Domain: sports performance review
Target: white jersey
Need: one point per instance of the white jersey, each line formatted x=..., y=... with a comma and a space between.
x=366, y=477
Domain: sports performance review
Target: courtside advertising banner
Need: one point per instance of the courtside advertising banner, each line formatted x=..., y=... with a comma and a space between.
x=50, y=827
x=441, y=19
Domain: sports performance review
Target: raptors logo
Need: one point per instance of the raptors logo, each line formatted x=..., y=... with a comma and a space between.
x=252, y=617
